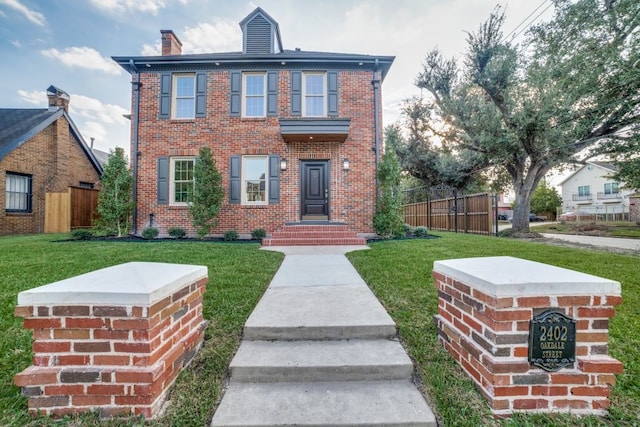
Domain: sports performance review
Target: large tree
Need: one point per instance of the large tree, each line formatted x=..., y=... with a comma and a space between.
x=572, y=85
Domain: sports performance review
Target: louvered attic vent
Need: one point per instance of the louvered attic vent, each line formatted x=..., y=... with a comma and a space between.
x=259, y=36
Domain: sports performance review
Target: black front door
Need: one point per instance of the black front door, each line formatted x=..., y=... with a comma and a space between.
x=315, y=190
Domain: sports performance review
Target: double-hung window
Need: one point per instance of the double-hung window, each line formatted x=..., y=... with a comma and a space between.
x=584, y=191
x=314, y=94
x=182, y=179
x=184, y=96
x=18, y=193
x=254, y=99
x=254, y=180
x=611, y=188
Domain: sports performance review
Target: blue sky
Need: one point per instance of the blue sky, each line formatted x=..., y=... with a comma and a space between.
x=69, y=43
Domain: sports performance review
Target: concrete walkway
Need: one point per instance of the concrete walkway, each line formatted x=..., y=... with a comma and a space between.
x=319, y=349
x=604, y=242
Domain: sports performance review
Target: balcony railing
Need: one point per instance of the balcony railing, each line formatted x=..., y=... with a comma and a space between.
x=609, y=196
x=582, y=197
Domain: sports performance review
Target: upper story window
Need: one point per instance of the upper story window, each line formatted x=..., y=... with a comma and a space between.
x=254, y=99
x=254, y=180
x=611, y=188
x=18, y=193
x=182, y=179
x=314, y=94
x=584, y=190
x=184, y=96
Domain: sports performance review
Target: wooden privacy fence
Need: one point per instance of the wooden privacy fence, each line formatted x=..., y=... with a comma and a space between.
x=472, y=213
x=75, y=208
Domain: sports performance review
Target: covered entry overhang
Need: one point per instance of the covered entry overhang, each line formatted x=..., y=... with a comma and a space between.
x=314, y=129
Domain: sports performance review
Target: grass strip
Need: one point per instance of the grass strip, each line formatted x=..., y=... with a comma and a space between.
x=399, y=273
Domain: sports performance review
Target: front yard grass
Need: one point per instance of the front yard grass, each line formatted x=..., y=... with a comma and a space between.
x=399, y=273
x=238, y=276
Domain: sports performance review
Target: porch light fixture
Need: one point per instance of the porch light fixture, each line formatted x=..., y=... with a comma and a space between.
x=283, y=164
x=345, y=164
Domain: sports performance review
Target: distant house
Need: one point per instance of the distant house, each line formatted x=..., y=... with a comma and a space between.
x=41, y=151
x=296, y=135
x=591, y=191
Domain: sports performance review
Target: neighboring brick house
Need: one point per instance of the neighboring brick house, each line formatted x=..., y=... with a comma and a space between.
x=41, y=151
x=295, y=134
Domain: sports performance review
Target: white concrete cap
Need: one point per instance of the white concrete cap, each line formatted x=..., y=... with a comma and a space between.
x=132, y=283
x=505, y=276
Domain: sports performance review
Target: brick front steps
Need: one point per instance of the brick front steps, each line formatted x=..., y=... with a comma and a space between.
x=314, y=235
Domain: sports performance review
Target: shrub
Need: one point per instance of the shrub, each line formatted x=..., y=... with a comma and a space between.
x=258, y=234
x=407, y=229
x=81, y=234
x=115, y=203
x=208, y=194
x=420, y=231
x=150, y=233
x=177, y=232
x=230, y=236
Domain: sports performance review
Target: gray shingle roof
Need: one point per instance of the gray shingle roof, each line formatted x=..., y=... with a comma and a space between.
x=16, y=123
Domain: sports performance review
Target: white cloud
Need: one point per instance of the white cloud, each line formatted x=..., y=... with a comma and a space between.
x=16, y=43
x=151, y=49
x=33, y=16
x=221, y=36
x=83, y=57
x=35, y=97
x=95, y=110
x=119, y=6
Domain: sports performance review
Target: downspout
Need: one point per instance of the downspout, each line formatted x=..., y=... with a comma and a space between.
x=376, y=119
x=134, y=142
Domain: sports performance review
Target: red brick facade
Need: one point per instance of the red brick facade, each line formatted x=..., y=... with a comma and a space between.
x=352, y=193
x=55, y=161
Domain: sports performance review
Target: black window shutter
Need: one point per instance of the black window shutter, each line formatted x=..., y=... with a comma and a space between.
x=296, y=93
x=234, y=179
x=332, y=92
x=236, y=85
x=274, y=179
x=272, y=93
x=165, y=95
x=201, y=94
x=163, y=180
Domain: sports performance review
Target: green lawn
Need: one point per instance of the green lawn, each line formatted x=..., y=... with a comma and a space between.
x=399, y=272
x=238, y=276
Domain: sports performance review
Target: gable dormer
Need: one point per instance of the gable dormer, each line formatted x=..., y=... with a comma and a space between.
x=260, y=33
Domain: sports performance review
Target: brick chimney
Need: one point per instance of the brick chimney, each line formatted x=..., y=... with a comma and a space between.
x=170, y=43
x=57, y=98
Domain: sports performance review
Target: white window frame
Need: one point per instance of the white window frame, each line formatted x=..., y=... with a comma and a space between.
x=11, y=191
x=243, y=182
x=245, y=95
x=325, y=97
x=613, y=188
x=582, y=192
x=172, y=180
x=175, y=97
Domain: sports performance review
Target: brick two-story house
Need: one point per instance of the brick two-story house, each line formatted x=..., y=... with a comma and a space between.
x=295, y=134
x=41, y=151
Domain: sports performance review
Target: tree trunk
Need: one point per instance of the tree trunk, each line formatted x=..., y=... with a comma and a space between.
x=523, y=186
x=521, y=209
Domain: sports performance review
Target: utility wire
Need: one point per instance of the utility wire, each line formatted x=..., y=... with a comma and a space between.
x=525, y=19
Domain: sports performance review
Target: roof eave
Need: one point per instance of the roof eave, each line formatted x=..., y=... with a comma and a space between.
x=133, y=64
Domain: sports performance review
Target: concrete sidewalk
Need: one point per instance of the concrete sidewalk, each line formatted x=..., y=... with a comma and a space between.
x=603, y=242
x=319, y=349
